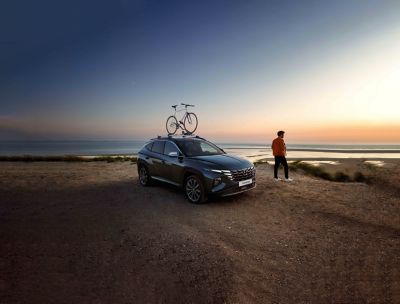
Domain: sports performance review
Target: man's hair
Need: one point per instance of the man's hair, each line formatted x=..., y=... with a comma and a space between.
x=280, y=133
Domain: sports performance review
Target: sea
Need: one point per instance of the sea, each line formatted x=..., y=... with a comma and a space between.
x=251, y=151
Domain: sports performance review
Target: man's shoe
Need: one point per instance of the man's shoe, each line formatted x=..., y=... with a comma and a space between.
x=277, y=179
x=288, y=179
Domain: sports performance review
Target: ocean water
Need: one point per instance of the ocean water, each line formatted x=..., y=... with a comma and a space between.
x=251, y=151
x=70, y=147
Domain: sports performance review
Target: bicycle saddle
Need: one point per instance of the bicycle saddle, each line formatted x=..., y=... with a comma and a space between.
x=174, y=106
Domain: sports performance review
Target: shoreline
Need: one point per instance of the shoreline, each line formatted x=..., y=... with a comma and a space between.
x=68, y=158
x=133, y=157
x=322, y=150
x=290, y=159
x=346, y=151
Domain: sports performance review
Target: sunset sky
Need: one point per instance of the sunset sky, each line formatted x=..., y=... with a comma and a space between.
x=323, y=71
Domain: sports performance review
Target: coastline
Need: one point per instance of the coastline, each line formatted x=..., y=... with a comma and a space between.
x=133, y=157
x=68, y=158
x=95, y=148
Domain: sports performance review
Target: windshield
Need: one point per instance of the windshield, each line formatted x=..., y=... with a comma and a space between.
x=197, y=147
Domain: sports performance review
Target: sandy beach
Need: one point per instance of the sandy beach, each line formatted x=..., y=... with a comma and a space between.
x=87, y=232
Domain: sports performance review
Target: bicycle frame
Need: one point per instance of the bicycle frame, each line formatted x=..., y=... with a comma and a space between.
x=183, y=117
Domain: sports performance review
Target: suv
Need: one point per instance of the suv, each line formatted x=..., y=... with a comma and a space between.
x=195, y=164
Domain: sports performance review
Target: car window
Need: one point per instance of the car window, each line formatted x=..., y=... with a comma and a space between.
x=158, y=146
x=198, y=148
x=149, y=145
x=170, y=147
x=208, y=149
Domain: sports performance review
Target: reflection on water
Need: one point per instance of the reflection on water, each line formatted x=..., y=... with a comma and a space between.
x=258, y=154
x=254, y=152
x=316, y=163
x=314, y=154
x=377, y=163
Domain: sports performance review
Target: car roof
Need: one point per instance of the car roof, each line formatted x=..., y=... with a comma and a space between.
x=177, y=137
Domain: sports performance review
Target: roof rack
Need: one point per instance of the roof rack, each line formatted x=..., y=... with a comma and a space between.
x=179, y=136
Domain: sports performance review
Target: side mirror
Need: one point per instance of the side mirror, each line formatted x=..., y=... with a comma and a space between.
x=173, y=154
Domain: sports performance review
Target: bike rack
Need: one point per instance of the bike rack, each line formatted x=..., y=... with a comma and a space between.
x=183, y=134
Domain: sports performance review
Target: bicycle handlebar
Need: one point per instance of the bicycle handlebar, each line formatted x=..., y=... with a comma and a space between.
x=187, y=105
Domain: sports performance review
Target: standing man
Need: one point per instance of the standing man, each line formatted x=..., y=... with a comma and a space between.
x=279, y=151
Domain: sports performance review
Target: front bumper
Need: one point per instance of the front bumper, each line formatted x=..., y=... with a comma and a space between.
x=235, y=190
x=228, y=186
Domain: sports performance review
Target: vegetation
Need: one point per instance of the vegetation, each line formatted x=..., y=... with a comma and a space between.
x=341, y=177
x=67, y=158
x=112, y=159
x=310, y=169
x=360, y=177
x=317, y=171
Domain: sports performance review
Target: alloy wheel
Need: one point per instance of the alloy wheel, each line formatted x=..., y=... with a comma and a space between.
x=143, y=176
x=193, y=189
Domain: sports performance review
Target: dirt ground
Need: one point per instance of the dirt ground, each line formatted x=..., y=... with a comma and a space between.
x=89, y=233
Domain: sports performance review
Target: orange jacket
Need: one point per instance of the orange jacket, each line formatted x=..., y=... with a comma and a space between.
x=278, y=147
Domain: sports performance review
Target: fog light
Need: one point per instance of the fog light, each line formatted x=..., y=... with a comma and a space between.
x=217, y=181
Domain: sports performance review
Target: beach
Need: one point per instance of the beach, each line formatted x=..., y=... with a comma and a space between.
x=87, y=232
x=202, y=98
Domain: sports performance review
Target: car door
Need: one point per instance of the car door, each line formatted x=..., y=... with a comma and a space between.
x=156, y=158
x=173, y=165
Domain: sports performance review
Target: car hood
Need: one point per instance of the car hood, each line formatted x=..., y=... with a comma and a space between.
x=225, y=161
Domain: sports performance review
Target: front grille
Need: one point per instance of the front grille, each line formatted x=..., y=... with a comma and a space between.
x=243, y=174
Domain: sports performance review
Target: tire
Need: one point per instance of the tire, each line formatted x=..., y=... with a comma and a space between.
x=190, y=122
x=171, y=125
x=194, y=190
x=144, y=176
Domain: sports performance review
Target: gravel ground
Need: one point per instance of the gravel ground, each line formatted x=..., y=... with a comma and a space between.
x=89, y=233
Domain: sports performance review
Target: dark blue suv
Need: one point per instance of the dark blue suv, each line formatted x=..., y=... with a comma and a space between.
x=195, y=164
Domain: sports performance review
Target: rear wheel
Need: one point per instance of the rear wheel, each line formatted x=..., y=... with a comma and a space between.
x=190, y=122
x=172, y=125
x=144, y=176
x=194, y=190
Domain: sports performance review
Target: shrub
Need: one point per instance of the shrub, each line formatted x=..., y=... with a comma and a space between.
x=341, y=177
x=359, y=177
x=310, y=169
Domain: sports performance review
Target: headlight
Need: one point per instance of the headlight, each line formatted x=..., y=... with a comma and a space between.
x=227, y=173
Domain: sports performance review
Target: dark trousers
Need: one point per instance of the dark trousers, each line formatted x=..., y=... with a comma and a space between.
x=281, y=160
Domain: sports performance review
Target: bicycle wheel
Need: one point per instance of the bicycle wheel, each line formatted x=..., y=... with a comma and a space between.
x=172, y=125
x=190, y=122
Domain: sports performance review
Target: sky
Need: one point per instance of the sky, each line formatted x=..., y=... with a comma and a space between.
x=323, y=71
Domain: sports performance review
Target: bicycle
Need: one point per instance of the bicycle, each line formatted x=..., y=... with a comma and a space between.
x=187, y=123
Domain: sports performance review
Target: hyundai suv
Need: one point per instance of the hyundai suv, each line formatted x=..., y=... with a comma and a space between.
x=195, y=164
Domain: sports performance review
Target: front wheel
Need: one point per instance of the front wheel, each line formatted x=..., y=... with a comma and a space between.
x=194, y=190
x=172, y=125
x=190, y=122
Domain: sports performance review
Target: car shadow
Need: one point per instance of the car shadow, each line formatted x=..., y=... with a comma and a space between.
x=113, y=242
x=211, y=199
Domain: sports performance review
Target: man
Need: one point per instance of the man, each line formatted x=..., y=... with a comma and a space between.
x=279, y=152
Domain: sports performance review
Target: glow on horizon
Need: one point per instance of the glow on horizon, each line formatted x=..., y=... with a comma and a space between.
x=342, y=88
x=354, y=98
